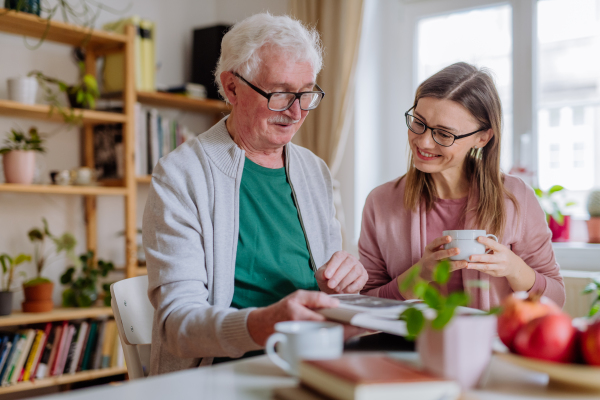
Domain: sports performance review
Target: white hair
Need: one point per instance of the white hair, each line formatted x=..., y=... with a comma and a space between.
x=241, y=44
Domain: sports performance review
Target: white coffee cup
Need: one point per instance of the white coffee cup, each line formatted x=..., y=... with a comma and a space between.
x=22, y=89
x=304, y=340
x=84, y=176
x=466, y=241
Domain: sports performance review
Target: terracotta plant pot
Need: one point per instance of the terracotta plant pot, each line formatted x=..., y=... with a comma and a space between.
x=594, y=229
x=19, y=166
x=38, y=298
x=6, y=301
x=560, y=232
x=461, y=351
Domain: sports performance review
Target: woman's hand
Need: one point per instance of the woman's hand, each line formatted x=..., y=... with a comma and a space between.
x=434, y=253
x=502, y=262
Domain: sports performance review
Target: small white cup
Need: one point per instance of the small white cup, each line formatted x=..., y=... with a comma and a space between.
x=466, y=242
x=23, y=90
x=304, y=340
x=84, y=176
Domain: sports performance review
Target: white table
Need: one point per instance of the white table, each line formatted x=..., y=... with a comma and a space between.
x=256, y=378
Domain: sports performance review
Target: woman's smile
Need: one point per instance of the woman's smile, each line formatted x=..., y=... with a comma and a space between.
x=424, y=155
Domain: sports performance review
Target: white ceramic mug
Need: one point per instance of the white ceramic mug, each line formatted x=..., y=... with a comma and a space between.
x=304, y=340
x=84, y=176
x=23, y=90
x=466, y=241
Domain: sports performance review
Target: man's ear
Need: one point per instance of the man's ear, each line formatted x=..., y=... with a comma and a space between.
x=229, y=82
x=484, y=137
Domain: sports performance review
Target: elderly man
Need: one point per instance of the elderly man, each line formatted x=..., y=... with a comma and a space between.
x=239, y=226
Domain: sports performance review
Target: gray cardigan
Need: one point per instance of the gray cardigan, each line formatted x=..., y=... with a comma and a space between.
x=190, y=235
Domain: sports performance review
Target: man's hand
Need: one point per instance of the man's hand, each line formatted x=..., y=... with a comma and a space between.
x=297, y=306
x=343, y=273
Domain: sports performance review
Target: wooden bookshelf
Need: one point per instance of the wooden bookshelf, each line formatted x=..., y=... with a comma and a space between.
x=143, y=178
x=169, y=100
x=58, y=314
x=30, y=25
x=63, y=379
x=66, y=189
x=40, y=111
x=141, y=271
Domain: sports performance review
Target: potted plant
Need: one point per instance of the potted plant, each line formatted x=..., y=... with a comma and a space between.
x=19, y=155
x=28, y=6
x=38, y=291
x=82, y=94
x=558, y=222
x=454, y=345
x=8, y=267
x=593, y=288
x=82, y=282
x=593, y=223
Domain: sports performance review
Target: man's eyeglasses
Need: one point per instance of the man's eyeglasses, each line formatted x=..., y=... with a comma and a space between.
x=281, y=101
x=440, y=136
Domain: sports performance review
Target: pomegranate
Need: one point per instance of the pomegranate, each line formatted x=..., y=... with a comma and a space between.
x=551, y=337
x=590, y=344
x=517, y=311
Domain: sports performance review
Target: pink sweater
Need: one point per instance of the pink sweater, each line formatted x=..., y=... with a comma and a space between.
x=392, y=239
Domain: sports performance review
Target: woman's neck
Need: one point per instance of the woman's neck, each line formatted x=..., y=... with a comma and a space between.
x=451, y=184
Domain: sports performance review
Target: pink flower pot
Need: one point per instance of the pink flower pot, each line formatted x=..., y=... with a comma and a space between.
x=461, y=351
x=594, y=229
x=560, y=233
x=19, y=166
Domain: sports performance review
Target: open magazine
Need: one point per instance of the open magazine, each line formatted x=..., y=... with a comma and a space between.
x=377, y=313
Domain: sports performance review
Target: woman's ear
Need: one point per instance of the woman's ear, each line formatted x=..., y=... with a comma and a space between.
x=483, y=138
x=229, y=82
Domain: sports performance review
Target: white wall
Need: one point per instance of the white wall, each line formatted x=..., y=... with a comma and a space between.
x=175, y=21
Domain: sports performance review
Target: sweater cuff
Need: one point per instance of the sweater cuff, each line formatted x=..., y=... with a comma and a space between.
x=539, y=286
x=390, y=290
x=234, y=333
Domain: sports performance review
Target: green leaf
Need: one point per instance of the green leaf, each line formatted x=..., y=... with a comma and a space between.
x=90, y=82
x=538, y=192
x=594, y=309
x=443, y=317
x=21, y=258
x=494, y=311
x=80, y=97
x=415, y=321
x=555, y=188
x=456, y=299
x=46, y=229
x=69, y=298
x=433, y=298
x=441, y=273
x=571, y=204
x=62, y=86
x=35, y=234
x=590, y=288
x=67, y=277
x=420, y=289
x=3, y=259
x=410, y=279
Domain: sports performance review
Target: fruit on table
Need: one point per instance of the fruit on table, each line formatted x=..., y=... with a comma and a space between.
x=551, y=337
x=590, y=344
x=519, y=311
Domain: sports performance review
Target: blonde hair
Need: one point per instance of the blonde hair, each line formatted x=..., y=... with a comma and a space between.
x=474, y=89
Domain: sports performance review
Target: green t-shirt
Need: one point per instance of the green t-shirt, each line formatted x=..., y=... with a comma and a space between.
x=272, y=258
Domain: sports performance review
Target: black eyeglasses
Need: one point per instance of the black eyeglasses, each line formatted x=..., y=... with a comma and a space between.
x=281, y=101
x=440, y=136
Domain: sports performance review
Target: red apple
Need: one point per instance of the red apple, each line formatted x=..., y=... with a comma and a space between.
x=551, y=338
x=590, y=344
x=516, y=312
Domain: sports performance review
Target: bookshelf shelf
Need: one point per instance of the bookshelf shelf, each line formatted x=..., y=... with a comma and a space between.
x=63, y=379
x=14, y=109
x=141, y=271
x=58, y=189
x=58, y=314
x=158, y=99
x=30, y=25
x=143, y=178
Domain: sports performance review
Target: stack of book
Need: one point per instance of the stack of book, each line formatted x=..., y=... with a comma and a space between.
x=156, y=136
x=57, y=349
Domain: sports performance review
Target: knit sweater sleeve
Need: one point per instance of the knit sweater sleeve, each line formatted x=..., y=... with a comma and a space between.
x=187, y=324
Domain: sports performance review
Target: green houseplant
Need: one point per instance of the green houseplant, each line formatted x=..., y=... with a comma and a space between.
x=8, y=268
x=593, y=288
x=18, y=155
x=455, y=345
x=82, y=94
x=38, y=291
x=82, y=282
x=555, y=209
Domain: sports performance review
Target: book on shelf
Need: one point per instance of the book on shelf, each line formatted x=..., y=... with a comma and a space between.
x=40, y=370
x=4, y=350
x=89, y=348
x=97, y=360
x=84, y=344
x=64, y=332
x=33, y=355
x=29, y=335
x=109, y=342
x=17, y=347
x=74, y=362
x=359, y=376
x=66, y=350
x=55, y=347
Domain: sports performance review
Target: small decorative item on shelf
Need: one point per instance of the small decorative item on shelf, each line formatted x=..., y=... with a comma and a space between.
x=8, y=268
x=558, y=222
x=83, y=289
x=19, y=155
x=83, y=94
x=22, y=89
x=28, y=6
x=593, y=223
x=457, y=346
x=38, y=291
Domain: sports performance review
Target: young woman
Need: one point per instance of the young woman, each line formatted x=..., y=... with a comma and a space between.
x=454, y=182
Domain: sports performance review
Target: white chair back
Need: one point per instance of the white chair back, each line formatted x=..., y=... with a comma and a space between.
x=133, y=314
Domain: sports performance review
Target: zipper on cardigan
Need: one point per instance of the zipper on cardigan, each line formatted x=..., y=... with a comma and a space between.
x=310, y=256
